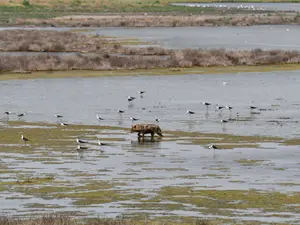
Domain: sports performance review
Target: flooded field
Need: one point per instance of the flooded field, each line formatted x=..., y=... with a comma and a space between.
x=252, y=176
x=251, y=6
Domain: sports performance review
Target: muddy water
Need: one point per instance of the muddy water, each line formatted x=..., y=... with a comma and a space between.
x=167, y=98
x=252, y=6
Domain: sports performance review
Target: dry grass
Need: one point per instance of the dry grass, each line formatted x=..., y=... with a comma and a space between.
x=180, y=58
x=106, y=56
x=63, y=219
x=164, y=20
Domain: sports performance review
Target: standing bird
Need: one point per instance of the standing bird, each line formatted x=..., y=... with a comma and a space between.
x=130, y=98
x=229, y=107
x=190, y=112
x=121, y=112
x=7, y=114
x=21, y=115
x=133, y=119
x=64, y=124
x=79, y=141
x=24, y=139
x=99, y=118
x=206, y=104
x=252, y=107
x=58, y=116
x=81, y=147
x=213, y=147
x=157, y=120
x=141, y=92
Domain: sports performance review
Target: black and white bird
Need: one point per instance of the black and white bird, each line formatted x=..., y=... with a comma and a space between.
x=213, y=147
x=99, y=118
x=58, y=116
x=130, y=98
x=224, y=121
x=7, y=113
x=64, y=124
x=81, y=147
x=206, y=104
x=101, y=143
x=79, y=141
x=24, y=139
x=133, y=119
x=121, y=111
x=219, y=107
x=157, y=120
x=141, y=92
x=21, y=115
x=252, y=107
x=190, y=112
x=229, y=107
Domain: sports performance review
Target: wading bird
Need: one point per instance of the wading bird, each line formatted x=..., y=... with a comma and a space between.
x=24, y=139
x=79, y=141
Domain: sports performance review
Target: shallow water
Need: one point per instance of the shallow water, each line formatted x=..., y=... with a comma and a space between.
x=251, y=6
x=167, y=98
x=146, y=167
x=264, y=37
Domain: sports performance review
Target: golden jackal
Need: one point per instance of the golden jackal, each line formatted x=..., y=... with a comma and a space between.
x=143, y=129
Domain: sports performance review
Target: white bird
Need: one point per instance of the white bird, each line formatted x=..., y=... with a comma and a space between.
x=229, y=107
x=64, y=124
x=24, y=139
x=80, y=141
x=225, y=82
x=7, y=113
x=121, y=111
x=141, y=92
x=157, y=120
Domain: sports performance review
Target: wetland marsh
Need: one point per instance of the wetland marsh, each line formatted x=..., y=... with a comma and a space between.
x=173, y=177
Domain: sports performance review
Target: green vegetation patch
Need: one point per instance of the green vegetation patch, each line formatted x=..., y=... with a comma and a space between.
x=229, y=199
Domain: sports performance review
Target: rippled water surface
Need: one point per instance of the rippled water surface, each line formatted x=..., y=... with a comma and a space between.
x=166, y=97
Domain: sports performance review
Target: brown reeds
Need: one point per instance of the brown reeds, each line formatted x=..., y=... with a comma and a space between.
x=178, y=58
x=65, y=219
x=102, y=55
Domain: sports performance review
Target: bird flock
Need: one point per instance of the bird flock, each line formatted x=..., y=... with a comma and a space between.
x=81, y=143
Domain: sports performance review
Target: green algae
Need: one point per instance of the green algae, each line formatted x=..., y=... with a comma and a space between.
x=229, y=199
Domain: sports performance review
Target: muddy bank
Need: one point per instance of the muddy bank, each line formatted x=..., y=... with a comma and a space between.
x=165, y=20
